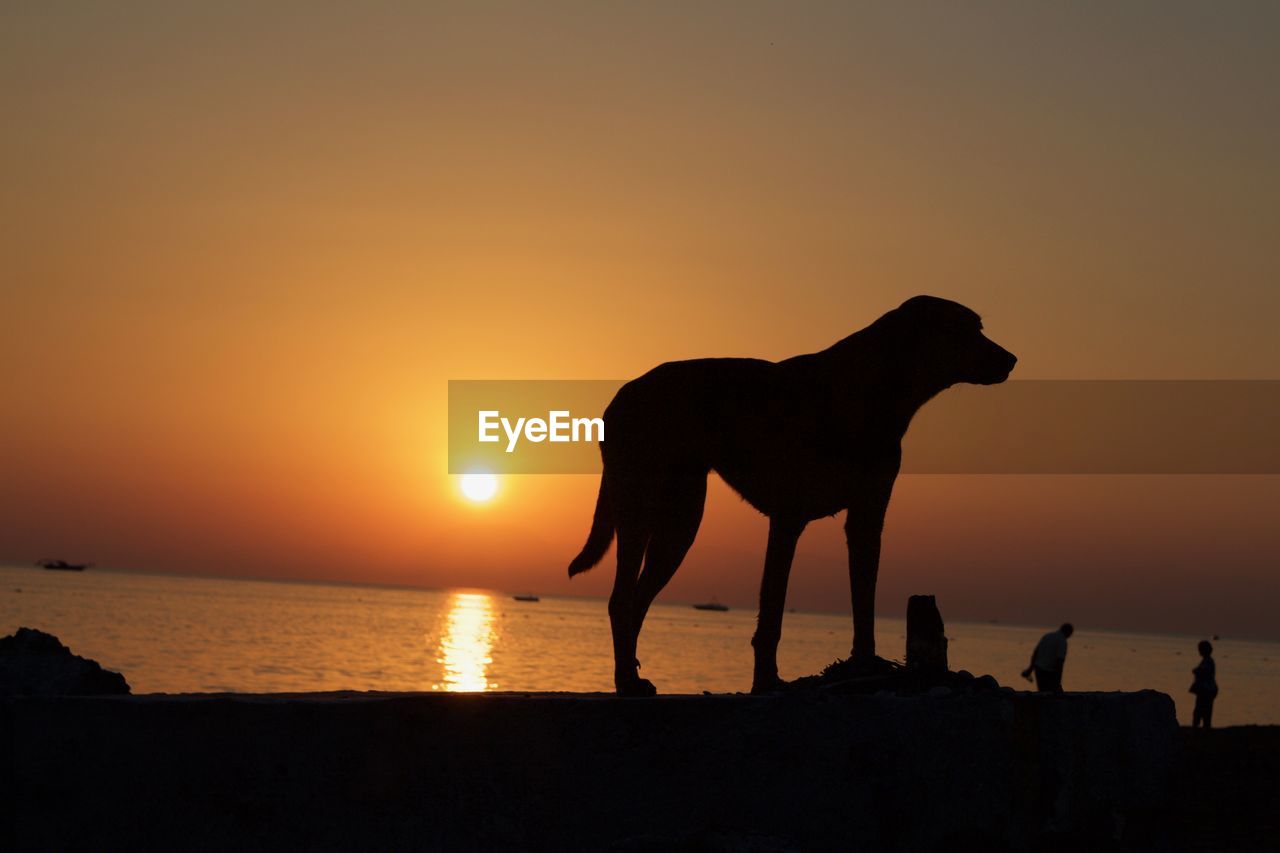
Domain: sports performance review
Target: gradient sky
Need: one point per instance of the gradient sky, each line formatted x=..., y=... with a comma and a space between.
x=242, y=250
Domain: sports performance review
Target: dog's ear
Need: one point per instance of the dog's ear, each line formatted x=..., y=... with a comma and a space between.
x=923, y=302
x=935, y=307
x=912, y=316
x=909, y=319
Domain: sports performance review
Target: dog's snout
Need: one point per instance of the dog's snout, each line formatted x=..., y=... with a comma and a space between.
x=1001, y=356
x=998, y=363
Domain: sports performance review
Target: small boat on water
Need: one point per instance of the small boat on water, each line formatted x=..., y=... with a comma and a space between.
x=526, y=598
x=63, y=565
x=712, y=605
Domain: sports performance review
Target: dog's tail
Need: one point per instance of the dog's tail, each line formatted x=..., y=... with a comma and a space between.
x=600, y=536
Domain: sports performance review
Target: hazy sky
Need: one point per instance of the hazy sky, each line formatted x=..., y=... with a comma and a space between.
x=243, y=249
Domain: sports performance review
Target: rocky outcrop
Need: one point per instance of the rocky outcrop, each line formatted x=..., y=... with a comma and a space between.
x=809, y=770
x=33, y=663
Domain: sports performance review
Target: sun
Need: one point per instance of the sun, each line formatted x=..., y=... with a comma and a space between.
x=478, y=486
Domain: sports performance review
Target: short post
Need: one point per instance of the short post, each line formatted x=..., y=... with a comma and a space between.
x=926, y=637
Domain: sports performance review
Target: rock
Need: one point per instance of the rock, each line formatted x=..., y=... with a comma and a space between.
x=986, y=683
x=926, y=638
x=33, y=663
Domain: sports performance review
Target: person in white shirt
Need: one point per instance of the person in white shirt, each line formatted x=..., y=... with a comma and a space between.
x=1049, y=658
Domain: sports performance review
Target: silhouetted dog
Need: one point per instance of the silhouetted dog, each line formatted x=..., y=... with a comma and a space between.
x=799, y=439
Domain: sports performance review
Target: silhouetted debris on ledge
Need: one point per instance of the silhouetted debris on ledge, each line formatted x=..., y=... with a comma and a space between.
x=33, y=663
x=885, y=677
x=926, y=671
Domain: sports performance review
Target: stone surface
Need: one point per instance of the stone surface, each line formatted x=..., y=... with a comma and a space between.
x=33, y=663
x=802, y=771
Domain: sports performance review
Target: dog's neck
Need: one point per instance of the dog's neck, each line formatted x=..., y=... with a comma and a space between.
x=889, y=378
x=914, y=390
x=922, y=391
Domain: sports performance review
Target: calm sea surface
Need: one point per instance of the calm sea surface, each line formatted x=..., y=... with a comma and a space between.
x=174, y=634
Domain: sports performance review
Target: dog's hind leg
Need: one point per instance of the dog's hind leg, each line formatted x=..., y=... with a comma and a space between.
x=675, y=527
x=783, y=535
x=632, y=539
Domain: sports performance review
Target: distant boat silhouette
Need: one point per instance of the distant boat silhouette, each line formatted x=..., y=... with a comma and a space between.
x=63, y=565
x=526, y=598
x=712, y=605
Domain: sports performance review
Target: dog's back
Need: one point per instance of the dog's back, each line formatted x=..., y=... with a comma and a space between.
x=771, y=430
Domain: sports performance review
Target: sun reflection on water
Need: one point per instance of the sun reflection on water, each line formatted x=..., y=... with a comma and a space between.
x=467, y=645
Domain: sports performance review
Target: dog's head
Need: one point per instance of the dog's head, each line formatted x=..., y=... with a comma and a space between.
x=948, y=344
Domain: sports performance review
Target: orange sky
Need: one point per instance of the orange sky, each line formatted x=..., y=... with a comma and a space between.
x=241, y=253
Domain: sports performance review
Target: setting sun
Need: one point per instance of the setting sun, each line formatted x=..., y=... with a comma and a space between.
x=478, y=486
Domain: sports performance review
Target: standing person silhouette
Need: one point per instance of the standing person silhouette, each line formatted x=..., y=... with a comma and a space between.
x=1048, y=659
x=1205, y=687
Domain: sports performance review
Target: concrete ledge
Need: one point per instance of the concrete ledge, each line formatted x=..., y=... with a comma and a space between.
x=564, y=772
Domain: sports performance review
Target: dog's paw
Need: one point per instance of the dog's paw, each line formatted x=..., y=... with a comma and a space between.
x=636, y=687
x=763, y=686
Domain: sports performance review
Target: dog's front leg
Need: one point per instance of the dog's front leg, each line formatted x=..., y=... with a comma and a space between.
x=864, y=565
x=783, y=535
x=863, y=525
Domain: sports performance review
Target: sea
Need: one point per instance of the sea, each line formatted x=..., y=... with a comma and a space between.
x=176, y=634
